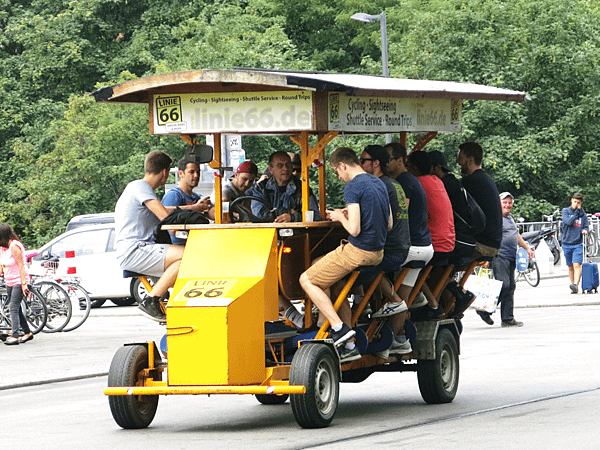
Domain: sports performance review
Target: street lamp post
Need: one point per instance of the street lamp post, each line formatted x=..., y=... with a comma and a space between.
x=369, y=18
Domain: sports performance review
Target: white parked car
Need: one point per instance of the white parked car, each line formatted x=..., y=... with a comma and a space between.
x=95, y=263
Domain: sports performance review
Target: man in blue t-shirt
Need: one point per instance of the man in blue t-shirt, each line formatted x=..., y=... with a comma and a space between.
x=574, y=225
x=183, y=194
x=367, y=218
x=421, y=248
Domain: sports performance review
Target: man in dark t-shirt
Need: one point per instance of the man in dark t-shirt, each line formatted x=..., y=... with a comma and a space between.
x=483, y=189
x=421, y=248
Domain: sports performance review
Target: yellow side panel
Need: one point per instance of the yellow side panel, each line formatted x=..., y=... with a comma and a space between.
x=216, y=313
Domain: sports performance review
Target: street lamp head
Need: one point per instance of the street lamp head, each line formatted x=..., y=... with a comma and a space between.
x=363, y=17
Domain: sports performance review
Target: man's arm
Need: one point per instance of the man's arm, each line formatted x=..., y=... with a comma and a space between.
x=585, y=224
x=157, y=208
x=390, y=220
x=259, y=209
x=349, y=217
x=568, y=217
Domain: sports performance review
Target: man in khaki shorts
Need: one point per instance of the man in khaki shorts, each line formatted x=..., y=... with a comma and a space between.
x=367, y=218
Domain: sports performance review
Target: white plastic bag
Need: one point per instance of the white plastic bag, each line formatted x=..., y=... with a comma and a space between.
x=485, y=288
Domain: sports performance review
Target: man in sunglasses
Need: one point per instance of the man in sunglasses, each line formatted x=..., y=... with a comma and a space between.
x=281, y=193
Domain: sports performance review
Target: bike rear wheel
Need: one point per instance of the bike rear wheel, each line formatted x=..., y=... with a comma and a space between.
x=34, y=308
x=58, y=305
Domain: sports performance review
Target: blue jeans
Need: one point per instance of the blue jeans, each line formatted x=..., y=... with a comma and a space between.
x=17, y=318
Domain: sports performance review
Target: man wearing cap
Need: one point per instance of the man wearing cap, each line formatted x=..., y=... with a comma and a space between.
x=575, y=225
x=239, y=183
x=184, y=195
x=296, y=165
x=504, y=264
x=281, y=193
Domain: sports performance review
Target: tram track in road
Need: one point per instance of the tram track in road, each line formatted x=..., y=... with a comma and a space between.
x=465, y=415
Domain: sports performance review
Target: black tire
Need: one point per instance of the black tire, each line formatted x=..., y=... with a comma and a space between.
x=138, y=290
x=35, y=311
x=317, y=368
x=128, y=301
x=556, y=255
x=438, y=378
x=129, y=411
x=98, y=303
x=80, y=305
x=532, y=274
x=58, y=305
x=272, y=399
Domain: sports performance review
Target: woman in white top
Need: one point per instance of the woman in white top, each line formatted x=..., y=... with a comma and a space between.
x=12, y=265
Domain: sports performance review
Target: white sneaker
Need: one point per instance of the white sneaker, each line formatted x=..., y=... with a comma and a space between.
x=399, y=348
x=390, y=309
x=385, y=354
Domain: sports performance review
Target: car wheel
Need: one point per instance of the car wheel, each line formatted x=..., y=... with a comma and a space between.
x=98, y=303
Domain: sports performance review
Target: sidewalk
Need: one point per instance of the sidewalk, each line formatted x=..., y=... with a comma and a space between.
x=88, y=351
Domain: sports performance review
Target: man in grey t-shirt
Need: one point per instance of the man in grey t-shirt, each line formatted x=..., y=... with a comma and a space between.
x=137, y=213
x=239, y=183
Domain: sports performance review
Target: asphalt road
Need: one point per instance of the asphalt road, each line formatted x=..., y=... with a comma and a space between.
x=520, y=388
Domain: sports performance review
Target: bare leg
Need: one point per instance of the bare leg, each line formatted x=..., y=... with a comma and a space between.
x=321, y=300
x=576, y=274
x=172, y=263
x=571, y=273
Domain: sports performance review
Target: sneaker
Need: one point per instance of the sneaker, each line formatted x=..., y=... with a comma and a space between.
x=339, y=337
x=347, y=355
x=400, y=348
x=152, y=309
x=390, y=309
x=574, y=288
x=294, y=316
x=511, y=323
x=486, y=317
x=419, y=301
x=385, y=354
x=427, y=313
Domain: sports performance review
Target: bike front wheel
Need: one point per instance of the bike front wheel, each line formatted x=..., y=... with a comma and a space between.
x=81, y=305
x=34, y=308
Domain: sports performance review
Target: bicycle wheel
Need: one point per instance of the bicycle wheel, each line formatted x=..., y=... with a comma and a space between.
x=81, y=304
x=35, y=310
x=532, y=274
x=58, y=304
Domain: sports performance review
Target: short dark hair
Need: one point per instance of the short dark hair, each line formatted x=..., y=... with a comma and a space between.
x=578, y=196
x=6, y=234
x=344, y=155
x=380, y=154
x=421, y=161
x=279, y=153
x=398, y=150
x=472, y=149
x=183, y=162
x=156, y=162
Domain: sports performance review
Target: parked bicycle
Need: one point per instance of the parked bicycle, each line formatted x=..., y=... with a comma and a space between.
x=34, y=308
x=68, y=303
x=527, y=268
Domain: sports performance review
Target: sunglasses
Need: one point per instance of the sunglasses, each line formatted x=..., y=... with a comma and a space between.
x=363, y=160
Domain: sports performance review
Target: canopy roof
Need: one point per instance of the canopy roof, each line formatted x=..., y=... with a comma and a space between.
x=257, y=80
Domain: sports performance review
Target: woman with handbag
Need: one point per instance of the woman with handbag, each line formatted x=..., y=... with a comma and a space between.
x=12, y=262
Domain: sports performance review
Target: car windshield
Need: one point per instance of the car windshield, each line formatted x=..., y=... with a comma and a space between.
x=86, y=242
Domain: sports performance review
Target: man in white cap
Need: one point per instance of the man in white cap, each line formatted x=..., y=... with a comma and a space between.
x=504, y=264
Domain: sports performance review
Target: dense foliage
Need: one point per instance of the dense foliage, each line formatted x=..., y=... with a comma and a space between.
x=62, y=154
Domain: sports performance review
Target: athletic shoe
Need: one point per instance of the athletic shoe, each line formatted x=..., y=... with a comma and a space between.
x=511, y=323
x=339, y=337
x=574, y=288
x=427, y=313
x=385, y=354
x=347, y=355
x=152, y=309
x=486, y=317
x=400, y=348
x=294, y=316
x=390, y=309
x=420, y=300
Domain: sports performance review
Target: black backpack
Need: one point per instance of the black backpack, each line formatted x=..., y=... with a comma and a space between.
x=177, y=217
x=476, y=221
